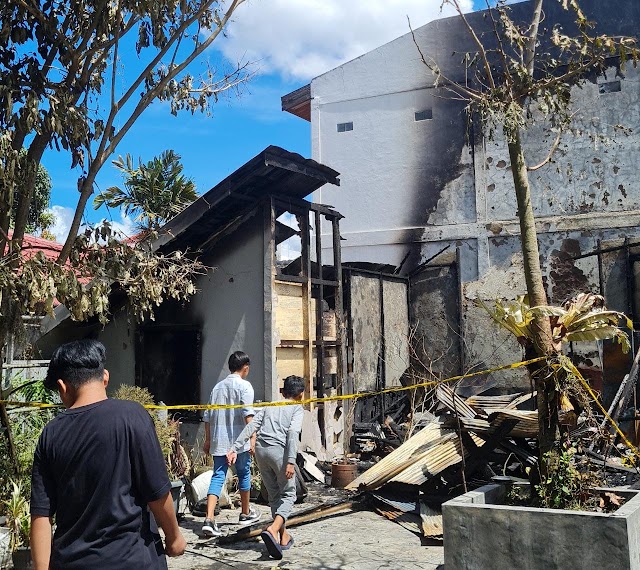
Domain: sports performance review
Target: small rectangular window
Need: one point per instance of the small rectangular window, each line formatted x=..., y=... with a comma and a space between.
x=344, y=127
x=425, y=115
x=609, y=87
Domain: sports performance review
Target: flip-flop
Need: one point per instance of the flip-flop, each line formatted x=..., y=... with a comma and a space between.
x=288, y=545
x=273, y=546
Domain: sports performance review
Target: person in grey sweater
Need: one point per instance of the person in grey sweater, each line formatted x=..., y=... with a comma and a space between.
x=278, y=431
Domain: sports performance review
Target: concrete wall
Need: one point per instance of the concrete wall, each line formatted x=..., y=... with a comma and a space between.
x=118, y=337
x=413, y=187
x=230, y=306
x=435, y=323
x=481, y=533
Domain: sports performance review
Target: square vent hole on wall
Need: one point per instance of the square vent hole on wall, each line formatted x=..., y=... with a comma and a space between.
x=609, y=87
x=344, y=127
x=425, y=115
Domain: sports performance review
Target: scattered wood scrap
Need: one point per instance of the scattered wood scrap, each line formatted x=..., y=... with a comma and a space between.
x=304, y=516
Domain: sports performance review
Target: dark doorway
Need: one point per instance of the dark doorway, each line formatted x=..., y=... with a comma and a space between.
x=168, y=363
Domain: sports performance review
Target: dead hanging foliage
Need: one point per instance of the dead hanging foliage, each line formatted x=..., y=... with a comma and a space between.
x=581, y=319
x=99, y=265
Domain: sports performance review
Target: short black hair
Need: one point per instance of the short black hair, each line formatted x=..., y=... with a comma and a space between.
x=237, y=360
x=76, y=363
x=293, y=386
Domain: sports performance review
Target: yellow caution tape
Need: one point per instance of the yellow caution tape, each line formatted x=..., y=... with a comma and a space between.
x=198, y=407
x=595, y=398
x=342, y=397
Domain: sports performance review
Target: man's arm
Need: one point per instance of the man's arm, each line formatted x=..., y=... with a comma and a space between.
x=150, y=479
x=249, y=412
x=40, y=542
x=252, y=440
x=165, y=516
x=206, y=446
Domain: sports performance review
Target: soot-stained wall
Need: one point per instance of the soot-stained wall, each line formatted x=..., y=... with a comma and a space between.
x=411, y=187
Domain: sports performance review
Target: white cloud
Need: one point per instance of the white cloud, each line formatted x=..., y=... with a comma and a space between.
x=64, y=217
x=301, y=39
x=123, y=228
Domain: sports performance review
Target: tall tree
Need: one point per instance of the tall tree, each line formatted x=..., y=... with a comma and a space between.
x=62, y=82
x=513, y=75
x=64, y=85
x=154, y=192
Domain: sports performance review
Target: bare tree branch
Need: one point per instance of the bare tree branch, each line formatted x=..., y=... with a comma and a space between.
x=554, y=146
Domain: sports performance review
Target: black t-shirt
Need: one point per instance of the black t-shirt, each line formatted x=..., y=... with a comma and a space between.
x=95, y=468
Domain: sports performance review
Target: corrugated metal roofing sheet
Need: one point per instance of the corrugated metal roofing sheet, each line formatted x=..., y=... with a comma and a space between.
x=410, y=521
x=422, y=456
x=401, y=505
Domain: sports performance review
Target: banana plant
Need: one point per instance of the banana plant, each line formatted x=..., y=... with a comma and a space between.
x=581, y=319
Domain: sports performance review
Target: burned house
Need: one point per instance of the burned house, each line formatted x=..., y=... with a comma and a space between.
x=428, y=196
x=273, y=289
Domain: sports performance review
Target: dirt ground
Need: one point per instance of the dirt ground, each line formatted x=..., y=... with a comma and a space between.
x=358, y=539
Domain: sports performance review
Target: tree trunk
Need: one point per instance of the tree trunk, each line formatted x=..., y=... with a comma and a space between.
x=34, y=156
x=85, y=193
x=547, y=397
x=7, y=326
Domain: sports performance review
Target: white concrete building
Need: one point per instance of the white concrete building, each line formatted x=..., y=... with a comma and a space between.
x=418, y=177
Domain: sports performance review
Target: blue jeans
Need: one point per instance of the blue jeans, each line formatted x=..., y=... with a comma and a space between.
x=243, y=469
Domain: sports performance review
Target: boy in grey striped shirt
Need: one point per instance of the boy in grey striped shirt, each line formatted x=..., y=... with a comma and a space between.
x=278, y=431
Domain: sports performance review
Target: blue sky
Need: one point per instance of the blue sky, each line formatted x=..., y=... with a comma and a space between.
x=291, y=42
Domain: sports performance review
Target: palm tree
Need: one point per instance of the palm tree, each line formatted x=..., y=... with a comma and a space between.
x=153, y=192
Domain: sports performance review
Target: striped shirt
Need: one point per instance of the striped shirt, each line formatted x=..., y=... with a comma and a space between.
x=226, y=425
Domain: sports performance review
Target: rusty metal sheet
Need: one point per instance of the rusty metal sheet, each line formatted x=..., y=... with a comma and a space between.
x=410, y=521
x=431, y=521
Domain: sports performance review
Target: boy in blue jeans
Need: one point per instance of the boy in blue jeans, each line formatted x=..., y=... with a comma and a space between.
x=278, y=430
x=222, y=427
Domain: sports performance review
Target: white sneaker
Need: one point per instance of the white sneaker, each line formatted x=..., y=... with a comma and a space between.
x=210, y=528
x=252, y=517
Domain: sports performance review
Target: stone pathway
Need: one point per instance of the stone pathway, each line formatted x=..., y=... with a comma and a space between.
x=353, y=540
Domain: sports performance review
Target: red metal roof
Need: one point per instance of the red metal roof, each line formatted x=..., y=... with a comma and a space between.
x=32, y=244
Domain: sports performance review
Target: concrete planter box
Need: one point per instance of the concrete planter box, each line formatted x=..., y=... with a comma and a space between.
x=481, y=533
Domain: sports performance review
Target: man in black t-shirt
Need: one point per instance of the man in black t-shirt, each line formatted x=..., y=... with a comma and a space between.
x=97, y=467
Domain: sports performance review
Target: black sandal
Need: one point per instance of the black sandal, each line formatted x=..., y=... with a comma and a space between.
x=273, y=545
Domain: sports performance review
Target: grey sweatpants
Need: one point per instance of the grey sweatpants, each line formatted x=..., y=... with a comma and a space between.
x=281, y=491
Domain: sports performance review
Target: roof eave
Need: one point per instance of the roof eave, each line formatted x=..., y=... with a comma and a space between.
x=298, y=102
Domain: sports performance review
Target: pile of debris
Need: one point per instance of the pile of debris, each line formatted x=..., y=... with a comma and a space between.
x=459, y=445
x=465, y=444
